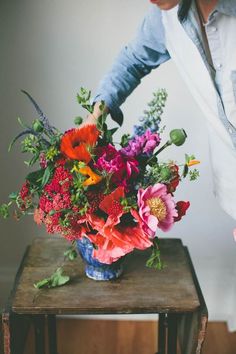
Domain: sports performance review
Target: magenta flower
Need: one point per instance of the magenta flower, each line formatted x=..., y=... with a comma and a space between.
x=144, y=144
x=156, y=208
x=122, y=168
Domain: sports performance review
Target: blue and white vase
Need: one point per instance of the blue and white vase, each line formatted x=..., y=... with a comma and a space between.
x=95, y=269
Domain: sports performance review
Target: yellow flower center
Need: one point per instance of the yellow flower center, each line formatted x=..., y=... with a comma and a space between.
x=157, y=208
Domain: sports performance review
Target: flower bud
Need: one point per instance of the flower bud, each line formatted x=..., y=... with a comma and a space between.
x=178, y=136
x=78, y=120
x=38, y=125
x=165, y=173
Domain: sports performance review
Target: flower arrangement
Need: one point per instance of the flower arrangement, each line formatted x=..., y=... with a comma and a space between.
x=116, y=195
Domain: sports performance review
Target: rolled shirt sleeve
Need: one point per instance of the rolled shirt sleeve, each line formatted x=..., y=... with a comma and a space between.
x=146, y=52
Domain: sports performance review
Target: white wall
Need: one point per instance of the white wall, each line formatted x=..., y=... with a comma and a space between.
x=51, y=48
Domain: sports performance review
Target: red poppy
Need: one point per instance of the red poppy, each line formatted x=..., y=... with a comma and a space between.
x=181, y=208
x=114, y=239
x=76, y=143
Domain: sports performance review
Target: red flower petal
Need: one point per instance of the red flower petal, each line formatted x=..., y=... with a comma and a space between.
x=181, y=208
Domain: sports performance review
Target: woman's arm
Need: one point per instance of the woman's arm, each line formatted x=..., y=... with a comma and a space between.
x=146, y=52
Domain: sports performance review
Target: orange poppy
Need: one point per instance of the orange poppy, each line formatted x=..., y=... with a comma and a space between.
x=93, y=177
x=76, y=143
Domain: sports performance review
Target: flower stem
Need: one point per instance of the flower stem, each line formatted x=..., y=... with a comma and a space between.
x=168, y=143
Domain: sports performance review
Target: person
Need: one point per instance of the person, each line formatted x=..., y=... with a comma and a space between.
x=199, y=35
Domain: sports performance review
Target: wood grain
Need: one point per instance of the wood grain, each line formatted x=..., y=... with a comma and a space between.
x=139, y=290
x=126, y=337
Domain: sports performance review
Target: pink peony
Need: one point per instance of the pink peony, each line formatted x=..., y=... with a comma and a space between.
x=156, y=208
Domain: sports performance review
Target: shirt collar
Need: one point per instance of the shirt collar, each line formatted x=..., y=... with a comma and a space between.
x=226, y=7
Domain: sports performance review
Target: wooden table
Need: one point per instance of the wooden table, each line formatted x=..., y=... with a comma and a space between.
x=173, y=293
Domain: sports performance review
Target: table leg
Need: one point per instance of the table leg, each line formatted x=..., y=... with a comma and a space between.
x=52, y=334
x=172, y=333
x=39, y=330
x=162, y=326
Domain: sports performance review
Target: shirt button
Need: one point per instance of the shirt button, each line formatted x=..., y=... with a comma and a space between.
x=213, y=29
x=218, y=66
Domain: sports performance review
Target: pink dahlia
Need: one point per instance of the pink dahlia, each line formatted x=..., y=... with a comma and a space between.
x=122, y=168
x=156, y=208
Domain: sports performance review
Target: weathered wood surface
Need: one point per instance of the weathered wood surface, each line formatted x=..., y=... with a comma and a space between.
x=14, y=326
x=192, y=326
x=139, y=290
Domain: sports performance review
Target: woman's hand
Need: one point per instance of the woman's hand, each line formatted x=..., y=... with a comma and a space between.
x=92, y=117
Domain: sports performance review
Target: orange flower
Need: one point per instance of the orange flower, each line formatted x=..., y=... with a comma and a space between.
x=93, y=177
x=76, y=143
x=193, y=162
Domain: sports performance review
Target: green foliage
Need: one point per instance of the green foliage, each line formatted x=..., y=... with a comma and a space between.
x=193, y=174
x=128, y=203
x=71, y=253
x=52, y=152
x=13, y=196
x=188, y=158
x=83, y=98
x=4, y=210
x=55, y=280
x=46, y=176
x=125, y=140
x=152, y=115
x=78, y=120
x=35, y=177
x=38, y=125
x=155, y=259
x=158, y=173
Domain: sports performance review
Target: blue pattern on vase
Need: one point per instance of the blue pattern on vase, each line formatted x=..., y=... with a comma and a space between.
x=95, y=269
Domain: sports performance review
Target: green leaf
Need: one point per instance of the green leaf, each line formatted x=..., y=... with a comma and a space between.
x=13, y=196
x=35, y=176
x=154, y=260
x=71, y=253
x=46, y=175
x=125, y=140
x=44, y=283
x=78, y=120
x=193, y=174
x=58, y=279
x=34, y=159
x=4, y=211
x=22, y=123
x=55, y=280
x=185, y=171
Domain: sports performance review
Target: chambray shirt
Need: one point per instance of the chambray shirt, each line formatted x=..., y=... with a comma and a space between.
x=147, y=51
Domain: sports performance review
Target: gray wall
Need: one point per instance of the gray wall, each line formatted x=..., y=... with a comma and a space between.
x=51, y=48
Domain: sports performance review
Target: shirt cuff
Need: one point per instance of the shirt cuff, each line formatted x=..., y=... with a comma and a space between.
x=114, y=110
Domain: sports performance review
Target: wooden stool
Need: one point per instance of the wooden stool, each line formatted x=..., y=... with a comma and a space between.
x=173, y=293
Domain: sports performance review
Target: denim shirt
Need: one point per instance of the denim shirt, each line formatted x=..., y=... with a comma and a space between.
x=148, y=50
x=210, y=75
